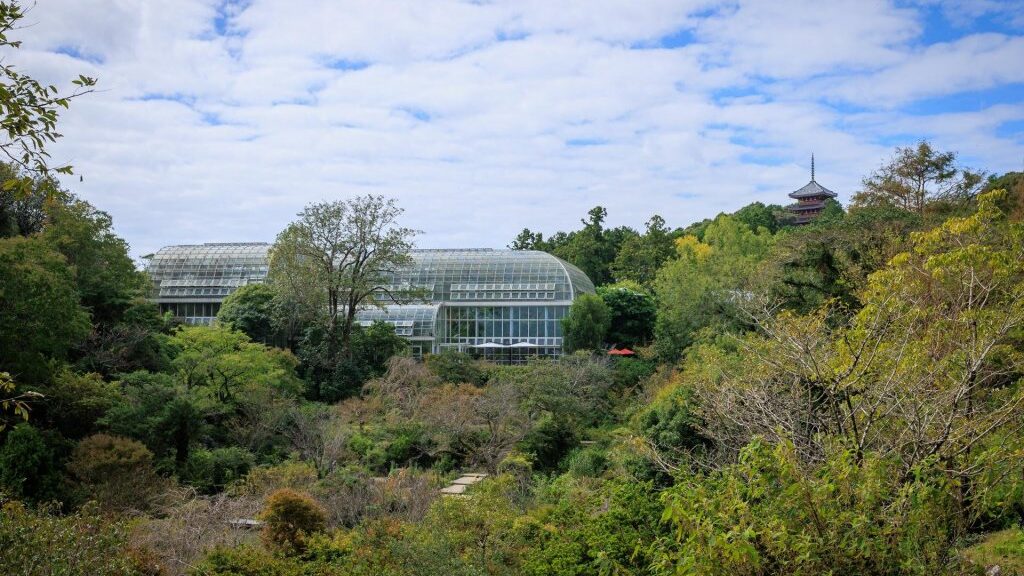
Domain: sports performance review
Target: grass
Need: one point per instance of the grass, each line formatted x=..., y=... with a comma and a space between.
x=1005, y=548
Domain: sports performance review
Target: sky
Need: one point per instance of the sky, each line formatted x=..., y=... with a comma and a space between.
x=217, y=121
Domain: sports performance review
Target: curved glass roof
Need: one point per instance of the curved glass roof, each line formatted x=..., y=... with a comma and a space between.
x=450, y=276
x=455, y=276
x=207, y=271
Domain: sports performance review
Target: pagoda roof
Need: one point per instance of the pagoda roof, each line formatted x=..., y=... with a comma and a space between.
x=806, y=206
x=812, y=190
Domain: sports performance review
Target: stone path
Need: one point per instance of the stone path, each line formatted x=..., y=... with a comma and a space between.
x=459, y=485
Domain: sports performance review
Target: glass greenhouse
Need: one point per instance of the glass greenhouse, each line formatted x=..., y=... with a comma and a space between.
x=504, y=305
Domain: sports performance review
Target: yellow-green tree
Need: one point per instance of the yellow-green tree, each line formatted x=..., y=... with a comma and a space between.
x=703, y=284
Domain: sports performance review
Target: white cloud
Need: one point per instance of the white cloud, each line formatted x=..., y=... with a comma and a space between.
x=975, y=62
x=218, y=121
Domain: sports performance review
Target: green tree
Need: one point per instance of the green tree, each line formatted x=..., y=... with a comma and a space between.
x=223, y=362
x=633, y=312
x=252, y=309
x=528, y=240
x=832, y=259
x=757, y=215
x=158, y=411
x=456, y=367
x=916, y=175
x=330, y=380
x=23, y=209
x=30, y=465
x=590, y=249
x=40, y=317
x=703, y=285
x=586, y=324
x=334, y=260
x=640, y=257
x=73, y=402
x=107, y=280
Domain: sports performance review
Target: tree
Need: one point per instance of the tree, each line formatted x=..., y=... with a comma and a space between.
x=330, y=380
x=30, y=109
x=224, y=362
x=832, y=259
x=252, y=309
x=702, y=286
x=926, y=373
x=159, y=412
x=108, y=282
x=23, y=209
x=528, y=240
x=72, y=402
x=916, y=175
x=586, y=324
x=335, y=260
x=757, y=215
x=589, y=249
x=640, y=257
x=633, y=313
x=40, y=318
x=456, y=367
x=29, y=465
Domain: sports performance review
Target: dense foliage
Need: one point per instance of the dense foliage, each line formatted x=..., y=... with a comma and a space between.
x=842, y=397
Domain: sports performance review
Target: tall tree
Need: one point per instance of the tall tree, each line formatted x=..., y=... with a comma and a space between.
x=702, y=286
x=916, y=175
x=252, y=309
x=640, y=257
x=528, y=240
x=107, y=280
x=632, y=312
x=586, y=324
x=590, y=248
x=40, y=315
x=335, y=260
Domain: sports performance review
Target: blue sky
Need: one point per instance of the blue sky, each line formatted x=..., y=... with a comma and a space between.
x=218, y=120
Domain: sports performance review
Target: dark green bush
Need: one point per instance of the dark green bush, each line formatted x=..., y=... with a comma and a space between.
x=29, y=465
x=213, y=470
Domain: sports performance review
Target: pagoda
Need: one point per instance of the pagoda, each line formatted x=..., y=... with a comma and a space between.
x=810, y=200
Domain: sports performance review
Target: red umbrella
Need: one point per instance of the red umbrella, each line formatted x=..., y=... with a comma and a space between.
x=622, y=352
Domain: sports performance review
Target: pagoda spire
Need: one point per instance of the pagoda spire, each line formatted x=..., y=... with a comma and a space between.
x=812, y=166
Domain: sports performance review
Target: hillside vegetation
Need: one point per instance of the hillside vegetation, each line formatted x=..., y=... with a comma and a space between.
x=842, y=397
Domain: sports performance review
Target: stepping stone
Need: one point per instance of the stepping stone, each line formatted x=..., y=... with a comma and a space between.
x=454, y=489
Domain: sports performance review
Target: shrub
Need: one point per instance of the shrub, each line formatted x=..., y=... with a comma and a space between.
x=590, y=461
x=212, y=470
x=247, y=561
x=29, y=465
x=770, y=513
x=117, y=472
x=456, y=367
x=37, y=543
x=293, y=474
x=289, y=517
